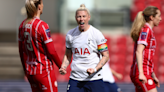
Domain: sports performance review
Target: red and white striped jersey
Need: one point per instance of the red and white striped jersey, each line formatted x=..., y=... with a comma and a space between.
x=146, y=38
x=33, y=37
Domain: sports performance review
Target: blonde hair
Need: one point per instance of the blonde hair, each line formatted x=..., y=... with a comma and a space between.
x=31, y=8
x=83, y=8
x=140, y=20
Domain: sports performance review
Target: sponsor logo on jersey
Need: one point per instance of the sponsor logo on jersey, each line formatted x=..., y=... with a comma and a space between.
x=48, y=33
x=44, y=88
x=81, y=51
x=143, y=35
x=138, y=87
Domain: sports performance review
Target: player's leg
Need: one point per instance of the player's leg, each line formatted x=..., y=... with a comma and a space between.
x=111, y=87
x=106, y=87
x=75, y=86
x=33, y=83
x=140, y=87
x=47, y=81
x=153, y=90
x=52, y=82
x=95, y=86
x=150, y=85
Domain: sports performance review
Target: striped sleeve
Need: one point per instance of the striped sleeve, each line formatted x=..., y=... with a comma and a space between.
x=20, y=32
x=144, y=36
x=45, y=32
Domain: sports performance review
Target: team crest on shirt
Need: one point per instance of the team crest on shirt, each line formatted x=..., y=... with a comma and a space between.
x=48, y=32
x=89, y=41
x=150, y=82
x=143, y=35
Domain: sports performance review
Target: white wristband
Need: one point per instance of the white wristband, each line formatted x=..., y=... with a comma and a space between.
x=95, y=70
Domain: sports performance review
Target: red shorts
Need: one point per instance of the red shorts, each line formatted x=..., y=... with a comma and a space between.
x=43, y=82
x=140, y=87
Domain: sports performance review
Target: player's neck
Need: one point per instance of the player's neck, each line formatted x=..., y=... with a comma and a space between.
x=151, y=24
x=37, y=15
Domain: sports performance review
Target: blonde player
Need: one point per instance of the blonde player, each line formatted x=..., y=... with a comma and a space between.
x=37, y=50
x=109, y=81
x=142, y=70
x=86, y=44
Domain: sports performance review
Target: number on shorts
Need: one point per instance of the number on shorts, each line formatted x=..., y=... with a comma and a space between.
x=29, y=44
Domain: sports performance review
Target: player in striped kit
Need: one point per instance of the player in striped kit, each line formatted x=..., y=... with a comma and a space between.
x=36, y=49
x=142, y=70
x=86, y=44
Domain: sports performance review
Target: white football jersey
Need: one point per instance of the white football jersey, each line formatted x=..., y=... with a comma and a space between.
x=85, y=52
x=107, y=74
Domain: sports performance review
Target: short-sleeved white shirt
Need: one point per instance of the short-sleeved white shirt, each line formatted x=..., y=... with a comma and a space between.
x=107, y=74
x=85, y=52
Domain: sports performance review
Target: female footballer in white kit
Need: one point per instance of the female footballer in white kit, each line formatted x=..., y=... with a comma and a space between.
x=108, y=78
x=86, y=44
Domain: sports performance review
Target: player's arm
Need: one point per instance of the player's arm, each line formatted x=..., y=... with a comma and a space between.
x=52, y=54
x=105, y=58
x=155, y=79
x=139, y=56
x=21, y=53
x=20, y=43
x=20, y=50
x=67, y=58
x=66, y=61
x=141, y=44
x=116, y=74
x=44, y=31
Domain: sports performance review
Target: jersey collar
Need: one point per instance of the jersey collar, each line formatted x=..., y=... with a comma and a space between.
x=36, y=17
x=147, y=24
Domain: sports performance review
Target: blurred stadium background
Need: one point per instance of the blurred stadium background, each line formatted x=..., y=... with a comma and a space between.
x=112, y=17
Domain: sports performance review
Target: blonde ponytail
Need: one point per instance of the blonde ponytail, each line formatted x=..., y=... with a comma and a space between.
x=31, y=9
x=141, y=19
x=137, y=25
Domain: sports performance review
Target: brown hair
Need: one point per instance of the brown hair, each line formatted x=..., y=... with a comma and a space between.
x=140, y=20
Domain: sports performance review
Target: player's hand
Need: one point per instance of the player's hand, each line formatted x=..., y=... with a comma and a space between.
x=62, y=71
x=142, y=78
x=156, y=82
x=90, y=71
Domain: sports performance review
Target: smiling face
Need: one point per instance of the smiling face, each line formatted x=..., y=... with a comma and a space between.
x=157, y=18
x=82, y=19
